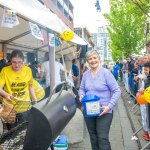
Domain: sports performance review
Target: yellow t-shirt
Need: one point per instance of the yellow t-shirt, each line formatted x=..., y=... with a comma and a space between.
x=17, y=84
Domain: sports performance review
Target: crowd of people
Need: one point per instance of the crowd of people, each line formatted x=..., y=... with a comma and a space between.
x=134, y=72
x=135, y=79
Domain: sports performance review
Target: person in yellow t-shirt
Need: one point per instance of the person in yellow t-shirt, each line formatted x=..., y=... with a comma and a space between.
x=16, y=86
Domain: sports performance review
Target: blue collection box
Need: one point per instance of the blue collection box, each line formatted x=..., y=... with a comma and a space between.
x=91, y=105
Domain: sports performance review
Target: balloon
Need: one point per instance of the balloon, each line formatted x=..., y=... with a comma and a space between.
x=147, y=94
x=67, y=35
x=140, y=98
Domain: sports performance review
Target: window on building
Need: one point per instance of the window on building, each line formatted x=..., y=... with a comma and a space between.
x=41, y=1
x=70, y=19
x=70, y=7
x=66, y=2
x=65, y=14
x=59, y=6
x=61, y=2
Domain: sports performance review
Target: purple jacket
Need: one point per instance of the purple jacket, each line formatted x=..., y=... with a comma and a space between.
x=103, y=85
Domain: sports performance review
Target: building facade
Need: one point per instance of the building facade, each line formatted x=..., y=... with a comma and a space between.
x=86, y=35
x=102, y=40
x=63, y=9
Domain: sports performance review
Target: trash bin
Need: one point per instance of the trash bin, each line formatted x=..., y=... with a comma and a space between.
x=91, y=105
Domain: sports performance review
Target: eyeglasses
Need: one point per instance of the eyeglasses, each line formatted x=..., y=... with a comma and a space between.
x=19, y=62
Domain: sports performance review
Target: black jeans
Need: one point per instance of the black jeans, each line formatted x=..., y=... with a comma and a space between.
x=98, y=128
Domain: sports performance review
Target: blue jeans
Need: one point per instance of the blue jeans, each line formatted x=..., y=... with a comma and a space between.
x=98, y=128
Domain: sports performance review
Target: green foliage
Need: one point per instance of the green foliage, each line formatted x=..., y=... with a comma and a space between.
x=126, y=30
x=144, y=5
x=116, y=55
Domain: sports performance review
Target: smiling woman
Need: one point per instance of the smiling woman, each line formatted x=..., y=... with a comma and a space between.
x=100, y=82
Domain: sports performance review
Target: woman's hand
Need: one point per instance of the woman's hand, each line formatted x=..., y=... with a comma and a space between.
x=141, y=90
x=9, y=97
x=80, y=97
x=105, y=110
x=74, y=77
x=6, y=95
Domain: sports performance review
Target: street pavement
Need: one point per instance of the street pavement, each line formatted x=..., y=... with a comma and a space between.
x=120, y=133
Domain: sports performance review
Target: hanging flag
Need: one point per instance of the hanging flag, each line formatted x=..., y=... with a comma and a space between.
x=36, y=31
x=51, y=40
x=45, y=39
x=9, y=19
x=56, y=42
x=60, y=41
x=97, y=5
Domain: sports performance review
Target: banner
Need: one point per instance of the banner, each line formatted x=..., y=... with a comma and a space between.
x=36, y=31
x=45, y=39
x=51, y=40
x=9, y=19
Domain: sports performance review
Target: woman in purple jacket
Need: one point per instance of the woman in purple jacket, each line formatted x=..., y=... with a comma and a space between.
x=100, y=82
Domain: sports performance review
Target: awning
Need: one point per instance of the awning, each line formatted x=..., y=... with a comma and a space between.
x=34, y=11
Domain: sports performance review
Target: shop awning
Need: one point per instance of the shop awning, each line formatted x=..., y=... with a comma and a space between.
x=34, y=11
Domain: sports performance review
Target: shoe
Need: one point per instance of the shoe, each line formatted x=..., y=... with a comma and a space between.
x=146, y=136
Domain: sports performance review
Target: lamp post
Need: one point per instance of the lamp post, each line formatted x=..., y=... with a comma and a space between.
x=147, y=32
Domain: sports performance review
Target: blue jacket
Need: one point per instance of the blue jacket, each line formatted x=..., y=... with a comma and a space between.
x=75, y=70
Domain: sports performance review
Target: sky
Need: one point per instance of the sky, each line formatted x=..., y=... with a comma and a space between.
x=85, y=14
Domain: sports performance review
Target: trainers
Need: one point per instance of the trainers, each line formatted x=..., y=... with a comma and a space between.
x=146, y=136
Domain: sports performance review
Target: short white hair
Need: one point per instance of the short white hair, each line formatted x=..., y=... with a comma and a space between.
x=92, y=52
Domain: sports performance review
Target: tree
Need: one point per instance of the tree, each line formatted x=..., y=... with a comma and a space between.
x=126, y=29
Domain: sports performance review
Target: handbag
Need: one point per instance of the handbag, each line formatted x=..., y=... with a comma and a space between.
x=48, y=118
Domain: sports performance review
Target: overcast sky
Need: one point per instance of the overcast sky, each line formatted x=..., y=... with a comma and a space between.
x=85, y=14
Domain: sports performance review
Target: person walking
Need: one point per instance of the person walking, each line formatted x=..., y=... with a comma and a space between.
x=116, y=69
x=75, y=72
x=100, y=82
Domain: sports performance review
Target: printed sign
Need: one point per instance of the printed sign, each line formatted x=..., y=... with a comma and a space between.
x=9, y=19
x=36, y=31
x=92, y=108
x=51, y=40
